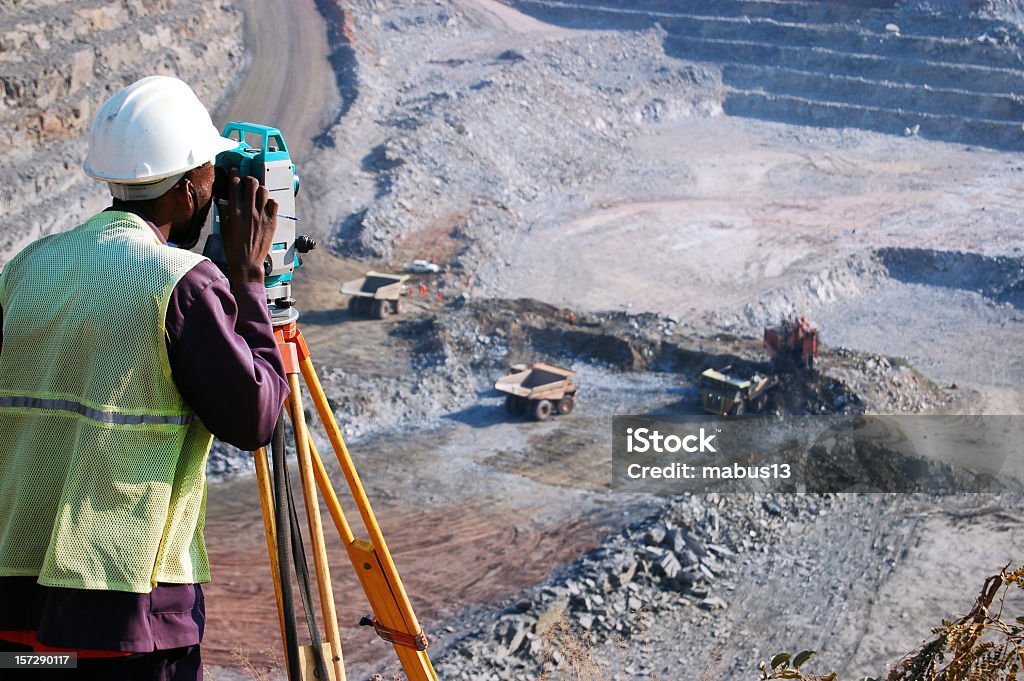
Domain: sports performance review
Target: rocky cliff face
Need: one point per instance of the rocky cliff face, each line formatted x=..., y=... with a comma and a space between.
x=59, y=61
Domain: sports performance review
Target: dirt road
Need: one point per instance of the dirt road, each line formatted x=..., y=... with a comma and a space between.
x=290, y=83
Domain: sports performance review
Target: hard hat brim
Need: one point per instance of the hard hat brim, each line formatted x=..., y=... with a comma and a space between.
x=224, y=144
x=217, y=145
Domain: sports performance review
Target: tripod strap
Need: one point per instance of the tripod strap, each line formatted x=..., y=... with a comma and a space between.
x=280, y=465
x=393, y=636
x=302, y=573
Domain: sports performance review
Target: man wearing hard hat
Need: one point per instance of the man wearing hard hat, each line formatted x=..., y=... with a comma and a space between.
x=121, y=355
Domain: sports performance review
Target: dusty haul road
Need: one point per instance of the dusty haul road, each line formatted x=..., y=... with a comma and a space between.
x=290, y=83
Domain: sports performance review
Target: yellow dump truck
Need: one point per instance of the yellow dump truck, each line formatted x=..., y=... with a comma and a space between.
x=726, y=395
x=539, y=391
x=376, y=295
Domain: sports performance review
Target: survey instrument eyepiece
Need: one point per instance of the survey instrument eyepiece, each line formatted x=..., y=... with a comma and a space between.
x=262, y=153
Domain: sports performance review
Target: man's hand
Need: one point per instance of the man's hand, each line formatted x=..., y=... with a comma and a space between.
x=247, y=227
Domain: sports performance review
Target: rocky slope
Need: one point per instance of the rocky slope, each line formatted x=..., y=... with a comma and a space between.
x=59, y=61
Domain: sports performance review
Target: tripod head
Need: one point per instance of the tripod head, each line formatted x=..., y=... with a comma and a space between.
x=262, y=153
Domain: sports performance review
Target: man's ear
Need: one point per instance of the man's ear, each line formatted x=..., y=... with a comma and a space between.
x=182, y=196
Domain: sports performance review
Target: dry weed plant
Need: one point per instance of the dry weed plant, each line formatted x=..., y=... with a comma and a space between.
x=252, y=671
x=568, y=653
x=569, y=649
x=982, y=645
x=393, y=673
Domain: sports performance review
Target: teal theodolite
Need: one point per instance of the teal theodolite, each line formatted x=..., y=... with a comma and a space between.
x=262, y=153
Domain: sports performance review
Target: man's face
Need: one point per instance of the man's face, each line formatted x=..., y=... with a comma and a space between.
x=199, y=185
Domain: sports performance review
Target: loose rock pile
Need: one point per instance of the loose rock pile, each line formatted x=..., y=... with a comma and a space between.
x=854, y=276
x=685, y=556
x=890, y=386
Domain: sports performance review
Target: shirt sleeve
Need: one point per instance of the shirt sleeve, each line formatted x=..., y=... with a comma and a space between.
x=224, y=359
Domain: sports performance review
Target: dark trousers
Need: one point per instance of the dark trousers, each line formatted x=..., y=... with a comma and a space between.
x=176, y=664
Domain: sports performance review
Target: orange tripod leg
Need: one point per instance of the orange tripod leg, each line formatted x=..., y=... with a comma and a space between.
x=393, y=616
x=395, y=619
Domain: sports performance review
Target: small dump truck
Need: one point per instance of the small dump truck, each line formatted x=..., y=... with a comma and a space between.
x=538, y=391
x=376, y=295
x=727, y=395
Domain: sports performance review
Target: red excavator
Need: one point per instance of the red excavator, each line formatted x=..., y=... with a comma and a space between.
x=794, y=341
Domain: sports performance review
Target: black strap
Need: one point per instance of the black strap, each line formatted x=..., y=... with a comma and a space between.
x=302, y=570
x=280, y=464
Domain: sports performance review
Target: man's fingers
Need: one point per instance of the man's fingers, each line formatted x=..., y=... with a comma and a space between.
x=262, y=195
x=251, y=201
x=234, y=191
x=251, y=189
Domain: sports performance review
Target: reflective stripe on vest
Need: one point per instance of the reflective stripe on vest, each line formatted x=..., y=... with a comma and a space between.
x=94, y=414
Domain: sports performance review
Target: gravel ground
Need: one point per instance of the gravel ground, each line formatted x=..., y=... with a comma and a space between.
x=672, y=234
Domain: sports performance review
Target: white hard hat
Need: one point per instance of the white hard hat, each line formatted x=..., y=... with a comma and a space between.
x=145, y=137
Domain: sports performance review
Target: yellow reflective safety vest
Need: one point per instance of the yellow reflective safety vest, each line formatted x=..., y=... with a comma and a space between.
x=102, y=464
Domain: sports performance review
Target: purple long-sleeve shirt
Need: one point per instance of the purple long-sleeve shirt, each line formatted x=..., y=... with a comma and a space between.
x=226, y=364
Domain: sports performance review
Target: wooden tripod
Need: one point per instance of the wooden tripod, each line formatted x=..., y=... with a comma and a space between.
x=393, y=618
